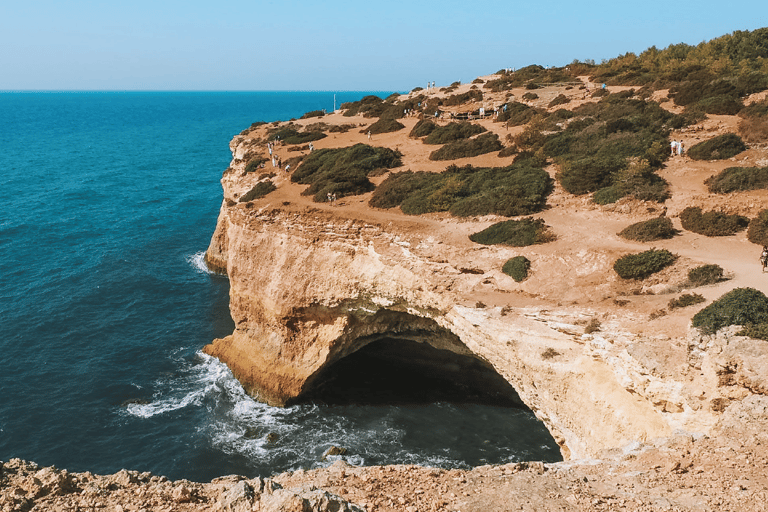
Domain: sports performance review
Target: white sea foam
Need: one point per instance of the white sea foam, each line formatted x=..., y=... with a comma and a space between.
x=202, y=380
x=197, y=261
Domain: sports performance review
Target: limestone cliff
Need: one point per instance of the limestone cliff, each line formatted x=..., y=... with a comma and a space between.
x=311, y=284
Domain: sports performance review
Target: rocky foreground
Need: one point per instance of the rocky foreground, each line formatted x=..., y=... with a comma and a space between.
x=725, y=471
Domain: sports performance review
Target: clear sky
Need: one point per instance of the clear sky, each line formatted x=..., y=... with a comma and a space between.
x=333, y=44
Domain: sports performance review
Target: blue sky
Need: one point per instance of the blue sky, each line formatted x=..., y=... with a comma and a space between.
x=331, y=45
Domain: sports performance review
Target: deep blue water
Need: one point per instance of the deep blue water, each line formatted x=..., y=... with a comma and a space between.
x=107, y=201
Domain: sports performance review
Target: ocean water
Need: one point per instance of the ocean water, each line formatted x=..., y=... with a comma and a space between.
x=107, y=202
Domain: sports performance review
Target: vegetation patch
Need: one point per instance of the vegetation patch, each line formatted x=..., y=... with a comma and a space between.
x=452, y=132
x=712, y=223
x=254, y=164
x=517, y=114
x=482, y=144
x=369, y=106
x=757, y=331
x=753, y=126
x=261, y=189
x=742, y=306
x=644, y=264
x=617, y=142
x=705, y=274
x=422, y=129
x=560, y=99
x=313, y=113
x=460, y=99
x=651, y=230
x=343, y=171
x=685, y=300
x=290, y=135
x=718, y=148
x=384, y=125
x=515, y=233
x=530, y=96
x=734, y=179
x=757, y=233
x=517, y=268
x=518, y=189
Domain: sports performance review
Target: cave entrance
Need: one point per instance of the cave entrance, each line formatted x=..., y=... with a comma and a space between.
x=401, y=372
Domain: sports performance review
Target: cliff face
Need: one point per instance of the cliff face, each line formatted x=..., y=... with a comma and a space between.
x=312, y=284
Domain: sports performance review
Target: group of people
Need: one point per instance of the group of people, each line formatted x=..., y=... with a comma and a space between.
x=332, y=198
x=764, y=257
x=677, y=147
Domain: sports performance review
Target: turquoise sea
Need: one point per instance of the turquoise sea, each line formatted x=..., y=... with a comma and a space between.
x=107, y=202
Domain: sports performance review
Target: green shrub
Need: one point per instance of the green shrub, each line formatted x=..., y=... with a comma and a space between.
x=452, y=132
x=741, y=306
x=518, y=189
x=735, y=179
x=485, y=143
x=618, y=142
x=712, y=223
x=422, y=128
x=607, y=195
x=517, y=268
x=261, y=189
x=369, y=106
x=460, y=99
x=313, y=113
x=343, y=171
x=384, y=125
x=254, y=164
x=560, y=99
x=530, y=96
x=705, y=274
x=718, y=148
x=516, y=114
x=651, y=230
x=757, y=331
x=721, y=105
x=642, y=265
x=758, y=229
x=600, y=93
x=685, y=300
x=289, y=135
x=515, y=233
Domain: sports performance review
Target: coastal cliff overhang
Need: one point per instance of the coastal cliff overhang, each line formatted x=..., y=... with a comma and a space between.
x=408, y=367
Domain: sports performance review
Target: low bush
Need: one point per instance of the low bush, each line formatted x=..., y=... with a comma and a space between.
x=705, y=274
x=452, y=132
x=607, y=195
x=530, y=96
x=721, y=105
x=651, y=230
x=518, y=189
x=644, y=264
x=757, y=233
x=517, y=268
x=757, y=331
x=369, y=106
x=735, y=179
x=261, y=189
x=593, y=325
x=384, y=125
x=485, y=143
x=741, y=306
x=712, y=223
x=254, y=164
x=516, y=114
x=753, y=129
x=718, y=148
x=600, y=93
x=343, y=171
x=560, y=99
x=290, y=135
x=685, y=300
x=313, y=113
x=422, y=129
x=460, y=99
x=515, y=233
x=341, y=128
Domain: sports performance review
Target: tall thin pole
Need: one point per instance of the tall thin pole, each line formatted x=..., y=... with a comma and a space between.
x=334, y=103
